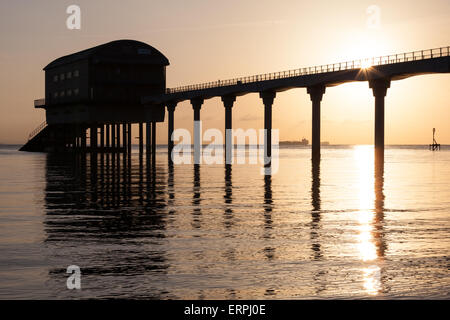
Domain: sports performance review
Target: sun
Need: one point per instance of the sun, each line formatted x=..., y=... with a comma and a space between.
x=366, y=63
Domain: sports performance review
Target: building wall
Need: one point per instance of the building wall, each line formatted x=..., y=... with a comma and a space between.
x=67, y=84
x=126, y=83
x=105, y=87
x=106, y=93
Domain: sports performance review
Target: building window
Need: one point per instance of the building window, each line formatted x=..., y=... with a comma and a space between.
x=75, y=91
x=69, y=75
x=69, y=93
x=76, y=73
x=62, y=94
x=55, y=78
x=61, y=76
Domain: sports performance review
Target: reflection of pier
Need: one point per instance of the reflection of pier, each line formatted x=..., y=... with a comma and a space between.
x=315, y=213
x=378, y=233
x=196, y=199
x=373, y=244
x=228, y=196
x=316, y=248
x=96, y=199
x=269, y=251
x=111, y=197
x=107, y=181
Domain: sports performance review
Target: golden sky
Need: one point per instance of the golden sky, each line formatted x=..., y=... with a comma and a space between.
x=211, y=40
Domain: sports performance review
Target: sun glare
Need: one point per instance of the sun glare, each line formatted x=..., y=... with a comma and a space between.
x=366, y=63
x=364, y=46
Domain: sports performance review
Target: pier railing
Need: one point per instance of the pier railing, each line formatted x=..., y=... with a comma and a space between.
x=38, y=129
x=354, y=64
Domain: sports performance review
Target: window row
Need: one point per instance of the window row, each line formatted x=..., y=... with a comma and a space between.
x=67, y=75
x=68, y=93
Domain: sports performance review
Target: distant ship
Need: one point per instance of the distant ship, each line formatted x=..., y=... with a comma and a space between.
x=304, y=142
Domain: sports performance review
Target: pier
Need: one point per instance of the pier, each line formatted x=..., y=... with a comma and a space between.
x=114, y=97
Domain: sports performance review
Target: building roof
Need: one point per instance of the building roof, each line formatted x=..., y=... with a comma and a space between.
x=118, y=48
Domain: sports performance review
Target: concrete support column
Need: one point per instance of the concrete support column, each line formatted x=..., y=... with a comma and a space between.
x=124, y=137
x=96, y=137
x=72, y=138
x=102, y=136
x=93, y=137
x=267, y=97
x=228, y=102
x=171, y=110
x=129, y=138
x=75, y=137
x=70, y=141
x=79, y=136
x=83, y=138
x=113, y=136
x=196, y=105
x=141, y=139
x=148, y=141
x=77, y=141
x=107, y=135
x=379, y=88
x=118, y=135
x=316, y=94
x=153, y=141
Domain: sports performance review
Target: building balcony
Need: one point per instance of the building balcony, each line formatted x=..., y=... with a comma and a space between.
x=39, y=103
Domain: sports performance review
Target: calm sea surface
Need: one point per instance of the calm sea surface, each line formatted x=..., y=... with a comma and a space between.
x=338, y=229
